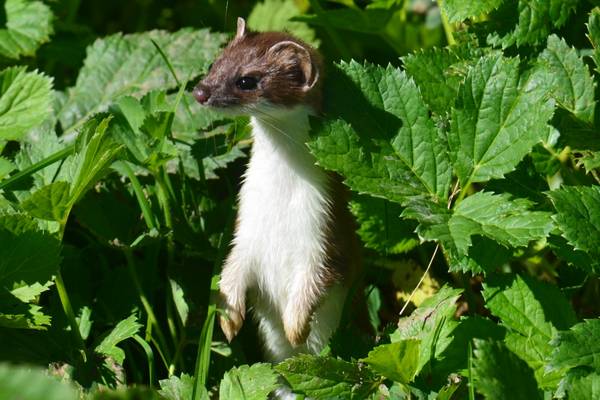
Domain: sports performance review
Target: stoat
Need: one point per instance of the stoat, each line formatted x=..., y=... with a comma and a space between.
x=294, y=252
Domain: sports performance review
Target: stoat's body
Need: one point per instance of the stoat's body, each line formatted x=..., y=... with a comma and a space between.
x=293, y=250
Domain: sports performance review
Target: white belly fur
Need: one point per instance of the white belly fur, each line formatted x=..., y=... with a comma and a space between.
x=283, y=213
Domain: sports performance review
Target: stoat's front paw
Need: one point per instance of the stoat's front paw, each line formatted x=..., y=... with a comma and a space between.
x=232, y=321
x=297, y=327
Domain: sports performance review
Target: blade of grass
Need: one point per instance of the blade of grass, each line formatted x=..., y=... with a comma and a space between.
x=59, y=155
x=149, y=357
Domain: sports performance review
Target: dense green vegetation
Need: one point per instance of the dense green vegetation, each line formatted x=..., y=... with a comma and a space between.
x=468, y=132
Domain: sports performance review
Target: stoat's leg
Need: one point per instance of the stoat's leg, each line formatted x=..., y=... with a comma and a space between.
x=234, y=282
x=304, y=296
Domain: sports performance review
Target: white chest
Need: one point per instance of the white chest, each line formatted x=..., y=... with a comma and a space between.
x=283, y=209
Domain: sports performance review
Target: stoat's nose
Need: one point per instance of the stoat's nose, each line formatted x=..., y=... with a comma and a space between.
x=201, y=93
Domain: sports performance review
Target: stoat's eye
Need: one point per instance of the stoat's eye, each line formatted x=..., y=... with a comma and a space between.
x=246, y=83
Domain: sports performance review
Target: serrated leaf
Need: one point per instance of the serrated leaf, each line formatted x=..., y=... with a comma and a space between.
x=370, y=20
x=253, y=382
x=28, y=25
x=585, y=388
x=327, y=378
x=177, y=388
x=498, y=118
x=6, y=167
x=571, y=85
x=431, y=323
x=533, y=311
x=130, y=65
x=276, y=15
x=25, y=101
x=28, y=383
x=124, y=330
x=508, y=222
x=391, y=149
x=594, y=34
x=500, y=374
x=533, y=20
x=50, y=202
x=578, y=216
x=381, y=228
x=578, y=347
x=458, y=10
x=398, y=361
x=434, y=73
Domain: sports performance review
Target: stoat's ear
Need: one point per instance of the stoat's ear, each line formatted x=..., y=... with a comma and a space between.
x=241, y=28
x=288, y=51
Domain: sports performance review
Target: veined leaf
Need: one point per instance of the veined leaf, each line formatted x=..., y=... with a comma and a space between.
x=578, y=347
x=509, y=222
x=326, y=377
x=498, y=118
x=391, y=148
x=25, y=101
x=248, y=382
x=28, y=25
x=499, y=374
x=50, y=202
x=571, y=85
x=458, y=10
x=177, y=388
x=124, y=330
x=594, y=34
x=130, y=65
x=276, y=15
x=27, y=383
x=578, y=216
x=533, y=20
x=398, y=361
x=533, y=311
x=584, y=388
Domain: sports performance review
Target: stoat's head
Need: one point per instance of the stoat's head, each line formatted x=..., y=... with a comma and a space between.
x=261, y=71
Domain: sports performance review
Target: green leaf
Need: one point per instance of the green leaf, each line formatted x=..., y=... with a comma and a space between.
x=177, y=388
x=398, y=361
x=438, y=73
x=578, y=216
x=533, y=20
x=276, y=15
x=130, y=65
x=50, y=202
x=458, y=10
x=28, y=25
x=508, y=222
x=594, y=34
x=6, y=167
x=381, y=228
x=571, y=85
x=248, y=382
x=373, y=20
x=25, y=101
x=124, y=330
x=391, y=149
x=326, y=377
x=584, y=388
x=533, y=311
x=500, y=374
x=498, y=118
x=27, y=383
x=432, y=323
x=577, y=347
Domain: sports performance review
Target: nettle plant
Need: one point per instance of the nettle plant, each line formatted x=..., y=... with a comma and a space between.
x=483, y=155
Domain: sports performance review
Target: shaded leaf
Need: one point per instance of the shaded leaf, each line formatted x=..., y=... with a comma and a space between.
x=253, y=382
x=26, y=383
x=28, y=25
x=124, y=330
x=398, y=361
x=579, y=346
x=50, y=202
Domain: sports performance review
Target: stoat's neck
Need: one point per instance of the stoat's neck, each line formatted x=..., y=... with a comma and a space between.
x=283, y=134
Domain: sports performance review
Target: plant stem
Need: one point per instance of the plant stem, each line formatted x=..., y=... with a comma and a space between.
x=149, y=357
x=68, y=309
x=447, y=26
x=139, y=194
x=59, y=155
x=463, y=193
x=146, y=304
x=205, y=340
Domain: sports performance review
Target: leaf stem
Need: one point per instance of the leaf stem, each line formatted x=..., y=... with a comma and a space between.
x=68, y=309
x=448, y=30
x=139, y=194
x=59, y=155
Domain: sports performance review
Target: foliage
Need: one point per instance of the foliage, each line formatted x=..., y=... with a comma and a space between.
x=465, y=129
